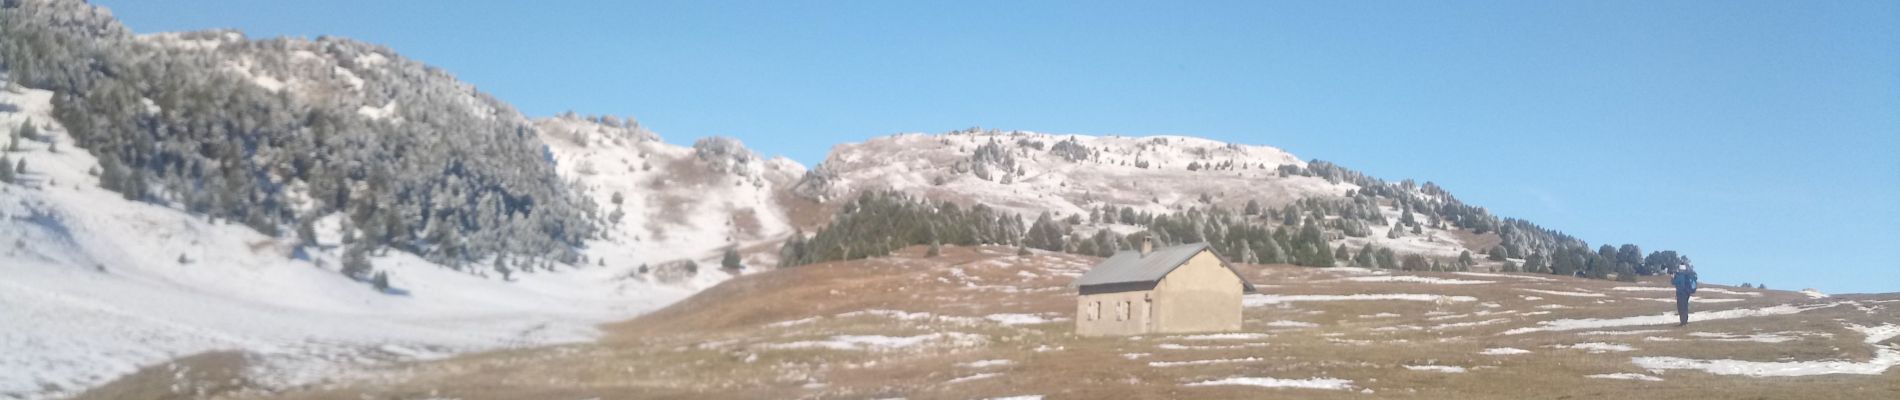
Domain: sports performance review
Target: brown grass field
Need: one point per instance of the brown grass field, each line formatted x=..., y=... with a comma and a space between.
x=815, y=332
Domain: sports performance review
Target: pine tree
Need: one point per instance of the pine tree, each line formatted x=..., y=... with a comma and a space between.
x=13, y=142
x=1022, y=250
x=1253, y=207
x=6, y=174
x=1414, y=262
x=1341, y=254
x=1465, y=261
x=936, y=249
x=306, y=232
x=380, y=281
x=1497, y=253
x=356, y=264
x=730, y=261
x=1510, y=266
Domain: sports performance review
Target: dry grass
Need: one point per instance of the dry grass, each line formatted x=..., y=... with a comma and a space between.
x=730, y=342
x=200, y=376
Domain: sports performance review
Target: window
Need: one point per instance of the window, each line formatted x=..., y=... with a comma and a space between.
x=1094, y=311
x=1121, y=311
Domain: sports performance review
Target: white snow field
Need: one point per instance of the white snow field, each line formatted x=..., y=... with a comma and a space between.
x=97, y=286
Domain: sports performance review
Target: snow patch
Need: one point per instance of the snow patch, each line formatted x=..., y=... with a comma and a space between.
x=1625, y=376
x=1660, y=319
x=1225, y=336
x=986, y=363
x=881, y=342
x=1016, y=319
x=1596, y=347
x=1310, y=383
x=1203, y=362
x=1448, y=369
x=1503, y=351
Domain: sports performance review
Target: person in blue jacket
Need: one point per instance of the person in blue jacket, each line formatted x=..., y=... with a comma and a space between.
x=1685, y=286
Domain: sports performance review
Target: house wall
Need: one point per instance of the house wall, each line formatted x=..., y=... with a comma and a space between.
x=1109, y=322
x=1199, y=296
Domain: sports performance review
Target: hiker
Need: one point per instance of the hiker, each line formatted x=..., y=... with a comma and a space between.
x=1685, y=286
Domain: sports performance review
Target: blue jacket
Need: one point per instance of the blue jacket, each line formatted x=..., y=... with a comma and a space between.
x=1685, y=282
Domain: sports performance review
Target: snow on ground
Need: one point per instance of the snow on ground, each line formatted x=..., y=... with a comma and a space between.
x=1726, y=291
x=1021, y=397
x=1876, y=334
x=791, y=323
x=678, y=203
x=1449, y=369
x=1203, y=362
x=1777, y=337
x=1596, y=347
x=1625, y=376
x=111, y=285
x=1470, y=324
x=1621, y=333
x=985, y=375
x=1416, y=279
x=1310, y=383
x=1225, y=336
x=1503, y=351
x=1172, y=346
x=1017, y=319
x=1884, y=357
x=1564, y=293
x=1254, y=300
x=882, y=342
x=1660, y=319
x=1816, y=294
x=986, y=363
x=1292, y=324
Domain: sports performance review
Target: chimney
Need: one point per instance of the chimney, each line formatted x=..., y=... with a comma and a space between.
x=1147, y=246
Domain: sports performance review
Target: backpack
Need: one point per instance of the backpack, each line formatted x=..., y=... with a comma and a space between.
x=1688, y=281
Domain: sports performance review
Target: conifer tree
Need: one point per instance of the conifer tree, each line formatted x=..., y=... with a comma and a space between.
x=730, y=260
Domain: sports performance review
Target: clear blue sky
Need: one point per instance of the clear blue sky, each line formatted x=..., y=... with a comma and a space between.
x=1760, y=138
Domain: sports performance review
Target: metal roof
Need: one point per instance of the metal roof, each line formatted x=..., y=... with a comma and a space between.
x=1130, y=267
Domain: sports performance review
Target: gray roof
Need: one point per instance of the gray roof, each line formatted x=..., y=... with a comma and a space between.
x=1129, y=267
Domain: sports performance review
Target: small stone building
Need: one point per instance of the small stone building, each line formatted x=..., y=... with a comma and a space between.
x=1184, y=288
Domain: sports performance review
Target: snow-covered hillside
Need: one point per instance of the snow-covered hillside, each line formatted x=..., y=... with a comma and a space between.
x=372, y=80
x=1028, y=173
x=665, y=202
x=97, y=286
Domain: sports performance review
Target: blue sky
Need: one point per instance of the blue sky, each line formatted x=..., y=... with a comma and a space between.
x=1760, y=138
